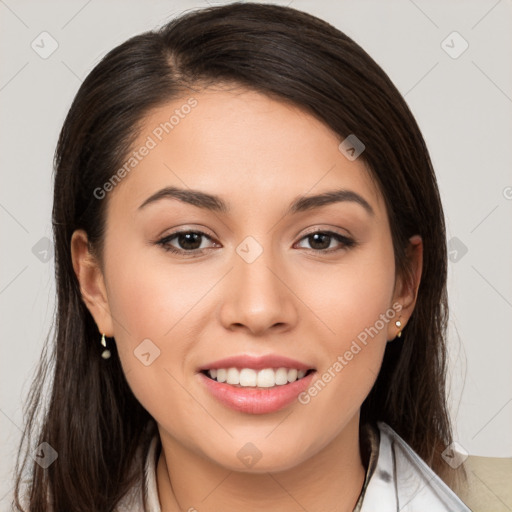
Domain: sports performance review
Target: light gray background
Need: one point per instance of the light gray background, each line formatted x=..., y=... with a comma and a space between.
x=463, y=106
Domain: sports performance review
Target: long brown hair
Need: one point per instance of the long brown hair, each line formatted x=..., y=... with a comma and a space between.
x=92, y=418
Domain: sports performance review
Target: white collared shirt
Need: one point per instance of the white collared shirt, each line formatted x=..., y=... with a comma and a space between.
x=399, y=481
x=402, y=481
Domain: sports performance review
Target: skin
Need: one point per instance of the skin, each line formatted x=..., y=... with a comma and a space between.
x=258, y=154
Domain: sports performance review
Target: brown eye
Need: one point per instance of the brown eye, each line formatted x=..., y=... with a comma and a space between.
x=321, y=241
x=187, y=241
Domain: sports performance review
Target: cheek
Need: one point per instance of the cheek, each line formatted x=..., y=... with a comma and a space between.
x=351, y=296
x=354, y=300
x=156, y=311
x=150, y=296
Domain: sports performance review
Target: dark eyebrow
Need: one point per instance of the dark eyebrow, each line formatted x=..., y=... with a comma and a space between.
x=304, y=203
x=216, y=204
x=193, y=197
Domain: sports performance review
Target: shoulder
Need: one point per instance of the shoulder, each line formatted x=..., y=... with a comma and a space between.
x=403, y=481
x=488, y=483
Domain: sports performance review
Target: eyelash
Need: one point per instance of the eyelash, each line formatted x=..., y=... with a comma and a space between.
x=164, y=242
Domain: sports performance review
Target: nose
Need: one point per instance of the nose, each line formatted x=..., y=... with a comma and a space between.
x=257, y=297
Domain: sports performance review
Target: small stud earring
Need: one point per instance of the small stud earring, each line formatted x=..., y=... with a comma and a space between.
x=106, y=353
x=398, y=323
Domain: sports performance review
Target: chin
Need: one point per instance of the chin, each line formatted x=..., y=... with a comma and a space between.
x=250, y=459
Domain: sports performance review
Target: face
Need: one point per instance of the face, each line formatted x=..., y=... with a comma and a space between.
x=259, y=275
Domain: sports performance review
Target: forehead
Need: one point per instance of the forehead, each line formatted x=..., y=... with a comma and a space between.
x=240, y=145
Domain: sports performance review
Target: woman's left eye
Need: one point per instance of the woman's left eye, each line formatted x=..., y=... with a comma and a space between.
x=320, y=238
x=190, y=242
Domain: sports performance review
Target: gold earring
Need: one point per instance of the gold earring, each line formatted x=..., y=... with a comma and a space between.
x=398, y=323
x=106, y=353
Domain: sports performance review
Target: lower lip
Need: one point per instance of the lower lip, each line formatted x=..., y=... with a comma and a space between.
x=253, y=400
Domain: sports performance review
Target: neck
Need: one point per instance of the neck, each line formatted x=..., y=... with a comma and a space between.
x=331, y=480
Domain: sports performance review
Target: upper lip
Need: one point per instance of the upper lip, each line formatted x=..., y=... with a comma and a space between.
x=256, y=362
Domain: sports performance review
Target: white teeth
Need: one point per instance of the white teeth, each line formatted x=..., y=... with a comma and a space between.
x=282, y=376
x=266, y=378
x=291, y=375
x=233, y=376
x=248, y=377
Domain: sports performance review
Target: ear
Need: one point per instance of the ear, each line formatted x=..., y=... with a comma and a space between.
x=92, y=284
x=406, y=287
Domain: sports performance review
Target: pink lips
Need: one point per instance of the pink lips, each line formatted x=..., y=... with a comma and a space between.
x=256, y=363
x=254, y=400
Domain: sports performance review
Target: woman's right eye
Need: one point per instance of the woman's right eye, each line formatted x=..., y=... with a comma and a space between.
x=188, y=240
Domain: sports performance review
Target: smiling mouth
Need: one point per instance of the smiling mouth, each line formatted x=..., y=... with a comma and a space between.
x=265, y=378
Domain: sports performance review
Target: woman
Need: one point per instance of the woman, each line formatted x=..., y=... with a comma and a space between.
x=251, y=272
